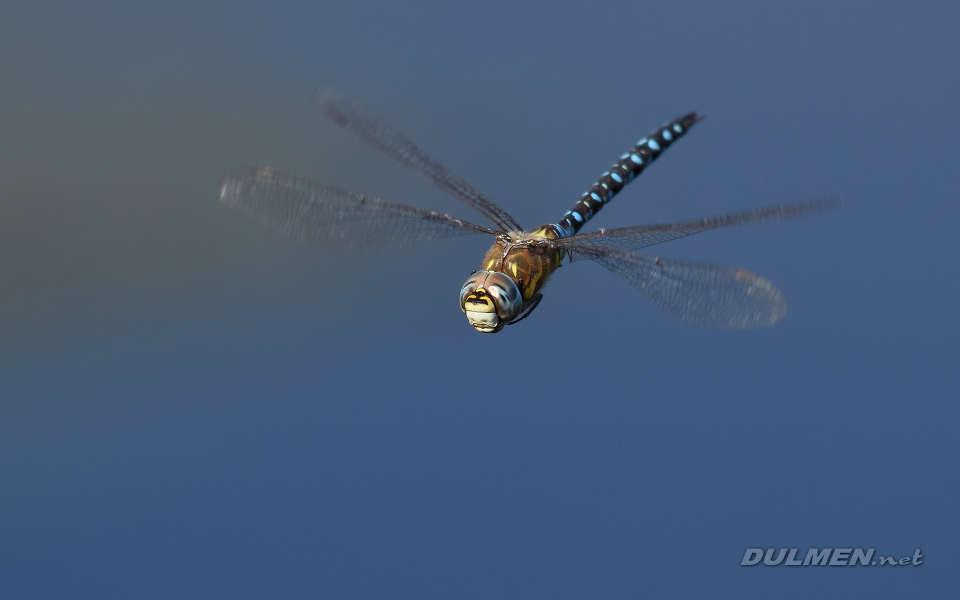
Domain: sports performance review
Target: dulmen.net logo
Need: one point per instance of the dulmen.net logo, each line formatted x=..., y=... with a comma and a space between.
x=826, y=557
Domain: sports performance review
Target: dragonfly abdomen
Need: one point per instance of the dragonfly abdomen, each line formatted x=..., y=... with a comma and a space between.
x=630, y=164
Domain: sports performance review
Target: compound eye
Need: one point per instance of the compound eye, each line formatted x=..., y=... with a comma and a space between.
x=471, y=285
x=506, y=295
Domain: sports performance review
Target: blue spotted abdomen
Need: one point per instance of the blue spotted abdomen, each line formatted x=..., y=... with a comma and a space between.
x=622, y=172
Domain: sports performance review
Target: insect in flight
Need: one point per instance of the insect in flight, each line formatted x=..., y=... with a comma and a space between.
x=507, y=287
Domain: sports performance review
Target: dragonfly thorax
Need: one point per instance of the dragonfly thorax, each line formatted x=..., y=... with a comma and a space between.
x=490, y=300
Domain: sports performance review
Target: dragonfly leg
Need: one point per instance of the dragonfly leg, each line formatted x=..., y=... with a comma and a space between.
x=530, y=305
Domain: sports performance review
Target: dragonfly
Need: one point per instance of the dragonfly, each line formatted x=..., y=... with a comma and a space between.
x=507, y=287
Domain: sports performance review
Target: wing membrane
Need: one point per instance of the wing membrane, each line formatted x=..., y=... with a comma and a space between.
x=386, y=139
x=641, y=236
x=333, y=218
x=700, y=294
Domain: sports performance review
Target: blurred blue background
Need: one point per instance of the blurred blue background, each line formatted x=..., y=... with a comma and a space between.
x=192, y=406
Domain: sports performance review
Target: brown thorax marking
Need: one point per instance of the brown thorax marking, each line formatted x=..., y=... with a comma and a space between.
x=519, y=257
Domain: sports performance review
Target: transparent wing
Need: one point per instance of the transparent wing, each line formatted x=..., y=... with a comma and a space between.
x=641, y=236
x=333, y=218
x=386, y=139
x=703, y=295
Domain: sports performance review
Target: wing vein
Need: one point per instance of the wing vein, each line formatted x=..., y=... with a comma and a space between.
x=331, y=217
x=355, y=119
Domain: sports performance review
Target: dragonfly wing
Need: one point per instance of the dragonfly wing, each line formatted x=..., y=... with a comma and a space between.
x=703, y=295
x=386, y=139
x=641, y=236
x=330, y=217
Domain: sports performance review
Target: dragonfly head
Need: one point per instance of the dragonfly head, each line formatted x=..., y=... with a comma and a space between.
x=490, y=300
